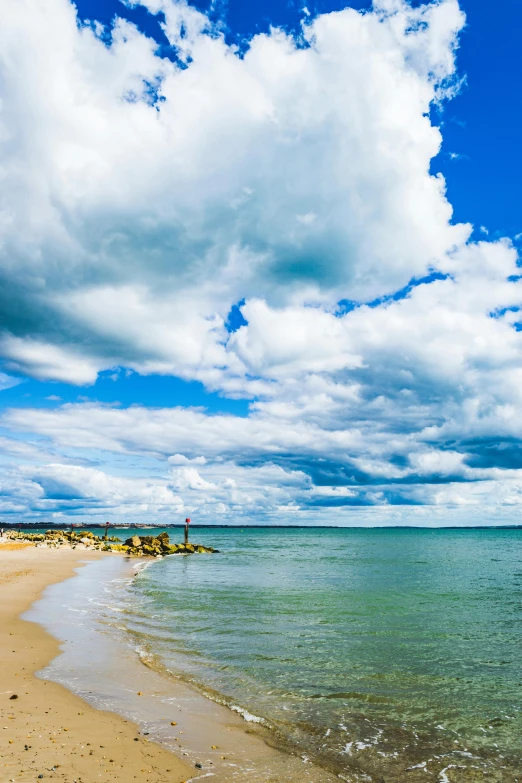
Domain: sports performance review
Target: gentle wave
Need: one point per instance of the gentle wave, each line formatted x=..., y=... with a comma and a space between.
x=262, y=627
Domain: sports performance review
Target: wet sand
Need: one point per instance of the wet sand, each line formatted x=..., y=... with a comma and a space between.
x=52, y=732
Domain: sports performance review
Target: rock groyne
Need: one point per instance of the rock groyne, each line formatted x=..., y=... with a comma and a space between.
x=136, y=546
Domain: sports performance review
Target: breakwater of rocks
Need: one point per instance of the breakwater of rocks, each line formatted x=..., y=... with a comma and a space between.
x=136, y=546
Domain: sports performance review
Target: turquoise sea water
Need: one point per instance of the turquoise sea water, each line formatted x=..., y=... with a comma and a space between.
x=374, y=651
x=385, y=655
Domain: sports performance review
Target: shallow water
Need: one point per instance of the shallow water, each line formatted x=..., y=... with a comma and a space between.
x=375, y=652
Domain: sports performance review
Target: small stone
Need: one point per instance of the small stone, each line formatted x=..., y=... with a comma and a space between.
x=173, y=723
x=14, y=696
x=198, y=765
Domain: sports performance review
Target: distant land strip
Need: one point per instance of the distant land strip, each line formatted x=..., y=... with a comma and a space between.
x=147, y=525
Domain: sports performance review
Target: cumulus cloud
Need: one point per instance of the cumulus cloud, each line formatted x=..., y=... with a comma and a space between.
x=142, y=199
x=144, y=196
x=73, y=486
x=45, y=360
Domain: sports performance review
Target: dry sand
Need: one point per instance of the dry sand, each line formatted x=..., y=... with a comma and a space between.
x=47, y=732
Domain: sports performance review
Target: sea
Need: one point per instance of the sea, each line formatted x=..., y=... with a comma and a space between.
x=384, y=655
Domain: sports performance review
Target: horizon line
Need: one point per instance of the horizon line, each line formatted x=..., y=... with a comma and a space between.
x=146, y=526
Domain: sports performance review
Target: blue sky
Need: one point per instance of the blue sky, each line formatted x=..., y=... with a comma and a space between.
x=259, y=262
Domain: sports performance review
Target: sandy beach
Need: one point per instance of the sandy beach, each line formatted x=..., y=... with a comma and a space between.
x=48, y=731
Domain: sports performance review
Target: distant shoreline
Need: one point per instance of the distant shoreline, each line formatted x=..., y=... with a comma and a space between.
x=175, y=525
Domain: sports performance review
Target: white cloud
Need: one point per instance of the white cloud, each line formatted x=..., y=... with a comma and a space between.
x=131, y=225
x=7, y=381
x=180, y=459
x=140, y=200
x=163, y=431
x=72, y=484
x=279, y=343
x=46, y=361
x=189, y=478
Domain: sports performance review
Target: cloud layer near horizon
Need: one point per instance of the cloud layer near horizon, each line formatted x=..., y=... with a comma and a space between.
x=143, y=198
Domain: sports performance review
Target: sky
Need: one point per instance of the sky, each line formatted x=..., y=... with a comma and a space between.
x=259, y=262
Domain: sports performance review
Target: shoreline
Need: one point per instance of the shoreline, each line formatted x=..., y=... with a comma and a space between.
x=47, y=730
x=56, y=724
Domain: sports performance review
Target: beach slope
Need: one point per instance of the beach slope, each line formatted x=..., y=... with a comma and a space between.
x=45, y=731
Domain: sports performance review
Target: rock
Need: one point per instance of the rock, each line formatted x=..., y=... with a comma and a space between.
x=137, y=546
